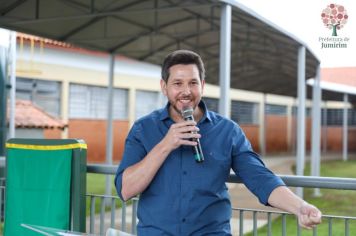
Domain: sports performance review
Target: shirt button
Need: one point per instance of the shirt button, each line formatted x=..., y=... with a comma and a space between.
x=183, y=220
x=184, y=172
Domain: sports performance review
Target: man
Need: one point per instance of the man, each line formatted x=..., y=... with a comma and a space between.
x=179, y=196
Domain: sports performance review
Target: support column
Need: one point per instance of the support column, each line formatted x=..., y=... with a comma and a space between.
x=132, y=106
x=262, y=130
x=13, y=85
x=109, y=126
x=325, y=128
x=344, y=128
x=225, y=60
x=315, y=142
x=3, y=94
x=64, y=106
x=301, y=117
x=289, y=127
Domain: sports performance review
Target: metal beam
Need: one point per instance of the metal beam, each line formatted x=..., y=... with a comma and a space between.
x=119, y=11
x=345, y=128
x=315, y=142
x=148, y=32
x=97, y=17
x=325, y=128
x=290, y=180
x=11, y=7
x=109, y=126
x=3, y=97
x=13, y=85
x=301, y=116
x=225, y=60
x=262, y=129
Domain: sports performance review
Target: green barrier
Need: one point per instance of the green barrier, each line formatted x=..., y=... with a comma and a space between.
x=45, y=185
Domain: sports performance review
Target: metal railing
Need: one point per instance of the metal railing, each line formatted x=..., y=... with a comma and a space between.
x=291, y=181
x=113, y=212
x=110, y=206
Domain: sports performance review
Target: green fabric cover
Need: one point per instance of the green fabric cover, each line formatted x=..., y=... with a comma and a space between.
x=37, y=189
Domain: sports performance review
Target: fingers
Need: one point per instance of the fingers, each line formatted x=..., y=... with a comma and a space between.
x=182, y=133
x=309, y=216
x=184, y=123
x=186, y=129
x=304, y=221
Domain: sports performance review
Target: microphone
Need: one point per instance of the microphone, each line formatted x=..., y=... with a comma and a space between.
x=187, y=114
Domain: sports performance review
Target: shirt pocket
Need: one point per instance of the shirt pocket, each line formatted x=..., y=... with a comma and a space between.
x=220, y=159
x=211, y=175
x=218, y=165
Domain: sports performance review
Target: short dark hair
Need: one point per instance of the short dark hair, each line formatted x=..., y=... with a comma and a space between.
x=184, y=57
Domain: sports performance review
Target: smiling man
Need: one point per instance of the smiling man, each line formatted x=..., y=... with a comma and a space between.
x=179, y=196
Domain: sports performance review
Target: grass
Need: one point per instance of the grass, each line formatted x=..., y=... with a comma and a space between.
x=96, y=185
x=332, y=202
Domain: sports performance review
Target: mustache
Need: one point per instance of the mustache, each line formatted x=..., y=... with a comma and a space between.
x=186, y=98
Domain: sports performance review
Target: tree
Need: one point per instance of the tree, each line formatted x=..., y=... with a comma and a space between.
x=334, y=17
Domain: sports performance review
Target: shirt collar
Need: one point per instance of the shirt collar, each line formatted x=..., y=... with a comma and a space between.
x=165, y=114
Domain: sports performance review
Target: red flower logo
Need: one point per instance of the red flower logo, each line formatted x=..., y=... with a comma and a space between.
x=334, y=17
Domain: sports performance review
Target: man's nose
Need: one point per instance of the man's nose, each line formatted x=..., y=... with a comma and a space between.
x=186, y=89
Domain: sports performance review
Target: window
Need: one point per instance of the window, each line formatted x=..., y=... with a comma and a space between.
x=244, y=112
x=275, y=110
x=91, y=102
x=335, y=117
x=212, y=104
x=45, y=94
x=308, y=111
x=148, y=101
x=352, y=117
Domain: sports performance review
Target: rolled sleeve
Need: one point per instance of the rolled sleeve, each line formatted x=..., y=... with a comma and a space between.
x=249, y=167
x=133, y=153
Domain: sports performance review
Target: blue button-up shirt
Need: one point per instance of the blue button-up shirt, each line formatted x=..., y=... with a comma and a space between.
x=189, y=198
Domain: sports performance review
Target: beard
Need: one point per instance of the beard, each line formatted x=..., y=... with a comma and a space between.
x=176, y=111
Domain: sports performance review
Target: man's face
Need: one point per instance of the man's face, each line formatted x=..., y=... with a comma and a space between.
x=183, y=88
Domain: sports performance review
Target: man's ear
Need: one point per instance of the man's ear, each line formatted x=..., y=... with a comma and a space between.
x=202, y=86
x=163, y=87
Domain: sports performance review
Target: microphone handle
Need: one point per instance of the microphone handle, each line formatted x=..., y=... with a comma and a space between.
x=198, y=152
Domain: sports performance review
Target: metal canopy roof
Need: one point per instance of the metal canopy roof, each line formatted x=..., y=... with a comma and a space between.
x=263, y=57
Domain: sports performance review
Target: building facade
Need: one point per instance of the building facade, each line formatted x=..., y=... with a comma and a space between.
x=71, y=84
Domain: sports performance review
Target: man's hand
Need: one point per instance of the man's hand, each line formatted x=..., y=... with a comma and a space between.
x=137, y=177
x=283, y=198
x=180, y=134
x=309, y=216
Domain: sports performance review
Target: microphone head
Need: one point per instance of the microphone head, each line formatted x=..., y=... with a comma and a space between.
x=187, y=112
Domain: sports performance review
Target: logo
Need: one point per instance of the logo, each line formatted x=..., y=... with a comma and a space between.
x=334, y=17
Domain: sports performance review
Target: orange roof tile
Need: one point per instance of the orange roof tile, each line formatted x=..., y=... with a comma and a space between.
x=23, y=36
x=340, y=75
x=28, y=115
x=50, y=43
